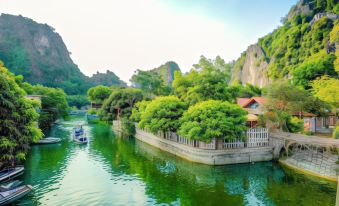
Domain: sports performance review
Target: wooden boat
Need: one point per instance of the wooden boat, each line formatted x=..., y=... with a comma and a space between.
x=12, y=195
x=81, y=140
x=10, y=186
x=49, y=140
x=11, y=172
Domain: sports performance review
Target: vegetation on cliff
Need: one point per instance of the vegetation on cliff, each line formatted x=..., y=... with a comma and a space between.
x=304, y=47
x=38, y=53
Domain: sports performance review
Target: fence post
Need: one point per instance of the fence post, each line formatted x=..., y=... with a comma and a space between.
x=337, y=199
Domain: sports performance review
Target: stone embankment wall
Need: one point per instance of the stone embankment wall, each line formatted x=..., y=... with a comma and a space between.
x=320, y=164
x=207, y=156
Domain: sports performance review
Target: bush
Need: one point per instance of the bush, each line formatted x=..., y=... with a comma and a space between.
x=127, y=128
x=335, y=134
x=294, y=124
x=163, y=114
x=213, y=119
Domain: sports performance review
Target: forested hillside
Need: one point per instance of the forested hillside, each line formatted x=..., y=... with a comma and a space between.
x=38, y=53
x=303, y=48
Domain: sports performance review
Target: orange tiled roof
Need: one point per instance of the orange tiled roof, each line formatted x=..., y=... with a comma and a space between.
x=259, y=100
x=242, y=101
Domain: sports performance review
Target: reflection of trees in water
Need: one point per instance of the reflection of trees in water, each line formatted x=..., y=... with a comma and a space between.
x=45, y=164
x=302, y=190
x=171, y=180
x=163, y=182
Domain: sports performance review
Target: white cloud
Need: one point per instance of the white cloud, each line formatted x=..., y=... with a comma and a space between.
x=125, y=35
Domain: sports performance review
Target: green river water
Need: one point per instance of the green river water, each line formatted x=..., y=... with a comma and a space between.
x=117, y=171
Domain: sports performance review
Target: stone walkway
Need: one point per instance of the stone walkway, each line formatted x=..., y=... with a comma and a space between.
x=304, y=139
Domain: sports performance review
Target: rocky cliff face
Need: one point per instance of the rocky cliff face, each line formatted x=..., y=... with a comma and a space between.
x=167, y=71
x=109, y=78
x=38, y=53
x=34, y=50
x=302, y=39
x=254, y=67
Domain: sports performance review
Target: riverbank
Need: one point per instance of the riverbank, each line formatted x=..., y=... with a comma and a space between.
x=307, y=171
x=206, y=156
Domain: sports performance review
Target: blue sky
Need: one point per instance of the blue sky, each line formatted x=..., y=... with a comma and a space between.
x=123, y=36
x=253, y=18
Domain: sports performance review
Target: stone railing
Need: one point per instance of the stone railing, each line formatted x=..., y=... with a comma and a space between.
x=255, y=138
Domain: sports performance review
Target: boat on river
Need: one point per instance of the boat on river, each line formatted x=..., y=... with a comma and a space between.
x=14, y=194
x=49, y=140
x=9, y=186
x=79, y=135
x=11, y=172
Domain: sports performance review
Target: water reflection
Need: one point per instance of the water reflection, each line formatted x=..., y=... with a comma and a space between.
x=111, y=170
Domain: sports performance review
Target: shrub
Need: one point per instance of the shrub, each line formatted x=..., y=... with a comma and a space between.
x=213, y=119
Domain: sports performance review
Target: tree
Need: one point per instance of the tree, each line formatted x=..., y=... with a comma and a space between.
x=18, y=119
x=318, y=65
x=53, y=103
x=120, y=103
x=162, y=114
x=138, y=109
x=77, y=100
x=327, y=89
x=99, y=93
x=202, y=84
x=248, y=90
x=213, y=119
x=150, y=82
x=285, y=99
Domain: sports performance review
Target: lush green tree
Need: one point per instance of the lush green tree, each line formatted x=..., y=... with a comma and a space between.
x=150, y=82
x=247, y=90
x=120, y=103
x=138, y=109
x=99, y=93
x=214, y=64
x=162, y=114
x=203, y=84
x=77, y=100
x=18, y=119
x=320, y=64
x=213, y=119
x=53, y=103
x=327, y=89
x=285, y=99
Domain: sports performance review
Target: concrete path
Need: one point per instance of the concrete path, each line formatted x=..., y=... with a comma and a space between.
x=304, y=139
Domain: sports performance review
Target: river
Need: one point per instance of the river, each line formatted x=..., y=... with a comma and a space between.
x=115, y=171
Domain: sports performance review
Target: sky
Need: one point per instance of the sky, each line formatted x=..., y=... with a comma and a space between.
x=125, y=35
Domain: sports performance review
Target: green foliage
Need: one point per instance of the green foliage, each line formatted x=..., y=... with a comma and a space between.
x=301, y=49
x=151, y=83
x=99, y=93
x=214, y=64
x=77, y=100
x=53, y=103
x=316, y=66
x=284, y=99
x=120, y=103
x=248, y=90
x=335, y=134
x=138, y=109
x=327, y=89
x=162, y=114
x=127, y=128
x=17, y=119
x=294, y=124
x=207, y=81
x=213, y=119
